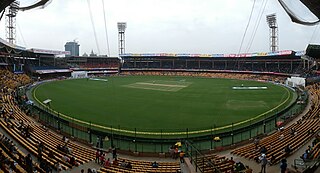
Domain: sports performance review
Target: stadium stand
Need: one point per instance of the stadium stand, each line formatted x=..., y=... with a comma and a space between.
x=142, y=166
x=31, y=135
x=293, y=136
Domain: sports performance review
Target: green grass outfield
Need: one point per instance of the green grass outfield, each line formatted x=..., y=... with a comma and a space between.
x=167, y=103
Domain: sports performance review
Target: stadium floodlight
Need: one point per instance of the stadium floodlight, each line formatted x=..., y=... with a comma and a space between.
x=121, y=29
x=14, y=6
x=272, y=22
x=122, y=26
x=11, y=14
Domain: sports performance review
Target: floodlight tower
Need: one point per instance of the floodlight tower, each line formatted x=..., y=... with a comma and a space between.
x=11, y=14
x=121, y=29
x=273, y=29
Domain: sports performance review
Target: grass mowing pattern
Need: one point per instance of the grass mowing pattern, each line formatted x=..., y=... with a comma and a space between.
x=203, y=103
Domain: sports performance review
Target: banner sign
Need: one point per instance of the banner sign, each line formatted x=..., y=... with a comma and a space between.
x=54, y=52
x=242, y=55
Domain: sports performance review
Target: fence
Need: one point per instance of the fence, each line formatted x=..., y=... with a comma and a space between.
x=198, y=159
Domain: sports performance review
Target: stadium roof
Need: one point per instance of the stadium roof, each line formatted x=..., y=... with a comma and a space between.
x=313, y=5
x=41, y=4
x=305, y=12
x=8, y=48
x=4, y=4
x=313, y=51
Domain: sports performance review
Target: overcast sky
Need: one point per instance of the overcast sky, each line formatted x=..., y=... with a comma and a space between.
x=159, y=26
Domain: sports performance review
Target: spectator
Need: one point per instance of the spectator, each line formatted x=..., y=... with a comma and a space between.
x=114, y=152
x=240, y=166
x=40, y=147
x=181, y=154
x=65, y=139
x=256, y=159
x=272, y=159
x=231, y=161
x=263, y=150
x=58, y=166
x=155, y=164
x=43, y=164
x=270, y=148
x=281, y=136
x=72, y=161
x=107, y=163
x=287, y=150
x=292, y=131
x=65, y=158
x=264, y=162
x=129, y=166
x=256, y=142
x=39, y=156
x=12, y=166
x=12, y=147
x=171, y=151
x=28, y=161
x=97, y=156
x=304, y=156
x=176, y=152
x=51, y=155
x=124, y=164
x=115, y=162
x=283, y=166
x=102, y=158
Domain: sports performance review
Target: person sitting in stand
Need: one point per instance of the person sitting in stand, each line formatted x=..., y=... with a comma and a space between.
x=107, y=163
x=129, y=166
x=115, y=162
x=58, y=166
x=51, y=155
x=231, y=161
x=239, y=166
x=304, y=156
x=124, y=164
x=263, y=150
x=287, y=150
x=65, y=158
x=272, y=158
x=72, y=161
x=155, y=164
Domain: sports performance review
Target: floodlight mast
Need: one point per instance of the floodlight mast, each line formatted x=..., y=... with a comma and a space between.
x=273, y=32
x=11, y=14
x=121, y=36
